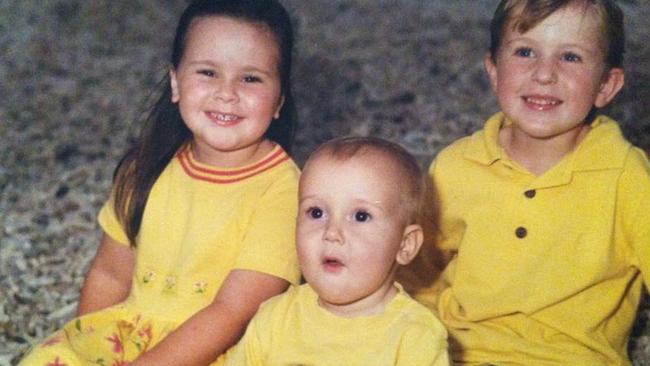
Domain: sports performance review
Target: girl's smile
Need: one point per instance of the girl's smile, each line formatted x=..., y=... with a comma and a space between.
x=223, y=119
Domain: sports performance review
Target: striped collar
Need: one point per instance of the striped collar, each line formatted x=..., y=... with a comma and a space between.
x=208, y=173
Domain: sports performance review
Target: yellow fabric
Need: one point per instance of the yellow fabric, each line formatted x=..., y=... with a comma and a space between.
x=200, y=223
x=567, y=292
x=292, y=329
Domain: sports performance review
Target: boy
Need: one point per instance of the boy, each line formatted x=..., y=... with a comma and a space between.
x=545, y=212
x=355, y=227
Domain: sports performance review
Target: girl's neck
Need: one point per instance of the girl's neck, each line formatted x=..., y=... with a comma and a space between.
x=539, y=155
x=231, y=159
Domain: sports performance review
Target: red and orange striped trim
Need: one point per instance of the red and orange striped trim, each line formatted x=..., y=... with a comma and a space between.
x=211, y=174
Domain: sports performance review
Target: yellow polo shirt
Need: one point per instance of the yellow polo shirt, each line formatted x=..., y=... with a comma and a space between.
x=544, y=270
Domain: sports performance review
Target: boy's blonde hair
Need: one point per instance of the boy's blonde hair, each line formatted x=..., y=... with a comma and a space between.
x=413, y=184
x=522, y=15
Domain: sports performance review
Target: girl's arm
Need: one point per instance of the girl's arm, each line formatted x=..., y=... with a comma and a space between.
x=108, y=281
x=212, y=330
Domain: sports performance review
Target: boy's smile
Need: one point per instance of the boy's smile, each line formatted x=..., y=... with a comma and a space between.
x=549, y=78
x=541, y=102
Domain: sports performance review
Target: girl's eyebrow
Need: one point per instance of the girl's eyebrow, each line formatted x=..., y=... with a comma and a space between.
x=246, y=68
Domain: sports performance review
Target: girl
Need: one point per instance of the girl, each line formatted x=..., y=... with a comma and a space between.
x=200, y=227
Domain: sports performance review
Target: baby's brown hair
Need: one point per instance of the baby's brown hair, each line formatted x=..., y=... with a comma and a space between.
x=414, y=185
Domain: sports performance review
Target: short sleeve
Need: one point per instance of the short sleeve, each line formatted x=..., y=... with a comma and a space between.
x=251, y=351
x=269, y=244
x=110, y=224
x=424, y=346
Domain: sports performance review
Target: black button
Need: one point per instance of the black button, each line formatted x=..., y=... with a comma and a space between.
x=521, y=232
x=530, y=193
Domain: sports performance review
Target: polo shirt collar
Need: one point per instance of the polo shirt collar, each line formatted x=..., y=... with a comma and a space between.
x=604, y=147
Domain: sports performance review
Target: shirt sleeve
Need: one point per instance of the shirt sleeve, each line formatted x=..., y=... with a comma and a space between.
x=269, y=245
x=110, y=224
x=250, y=350
x=424, y=346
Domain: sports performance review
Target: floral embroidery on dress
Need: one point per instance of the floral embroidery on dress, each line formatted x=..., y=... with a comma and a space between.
x=57, y=362
x=200, y=286
x=170, y=282
x=118, y=347
x=148, y=276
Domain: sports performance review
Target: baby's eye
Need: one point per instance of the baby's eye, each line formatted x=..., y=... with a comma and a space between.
x=362, y=216
x=208, y=73
x=524, y=52
x=571, y=57
x=315, y=213
x=252, y=79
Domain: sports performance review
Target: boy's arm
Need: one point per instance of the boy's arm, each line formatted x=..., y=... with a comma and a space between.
x=635, y=190
x=108, y=281
x=211, y=331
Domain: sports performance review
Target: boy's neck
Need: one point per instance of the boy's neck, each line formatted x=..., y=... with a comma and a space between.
x=372, y=305
x=539, y=155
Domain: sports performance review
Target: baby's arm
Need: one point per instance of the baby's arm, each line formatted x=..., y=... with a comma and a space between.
x=108, y=281
x=211, y=331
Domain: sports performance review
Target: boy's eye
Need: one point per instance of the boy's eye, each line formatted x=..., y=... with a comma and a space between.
x=315, y=212
x=361, y=216
x=252, y=79
x=571, y=57
x=524, y=52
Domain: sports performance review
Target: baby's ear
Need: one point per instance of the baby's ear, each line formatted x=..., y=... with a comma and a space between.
x=411, y=243
x=613, y=81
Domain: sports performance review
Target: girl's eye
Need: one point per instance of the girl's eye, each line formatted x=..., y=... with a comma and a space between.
x=571, y=57
x=315, y=212
x=524, y=52
x=252, y=79
x=208, y=73
x=361, y=216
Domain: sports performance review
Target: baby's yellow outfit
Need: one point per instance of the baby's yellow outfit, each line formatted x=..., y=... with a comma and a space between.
x=545, y=270
x=292, y=329
x=200, y=223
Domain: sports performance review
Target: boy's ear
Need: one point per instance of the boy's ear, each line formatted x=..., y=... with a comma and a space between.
x=491, y=69
x=174, y=85
x=411, y=243
x=613, y=81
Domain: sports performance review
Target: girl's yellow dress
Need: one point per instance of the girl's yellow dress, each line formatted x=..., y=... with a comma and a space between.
x=200, y=223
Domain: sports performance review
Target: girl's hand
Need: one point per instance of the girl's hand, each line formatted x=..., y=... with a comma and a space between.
x=108, y=281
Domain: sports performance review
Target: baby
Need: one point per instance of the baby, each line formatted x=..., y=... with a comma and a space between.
x=360, y=200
